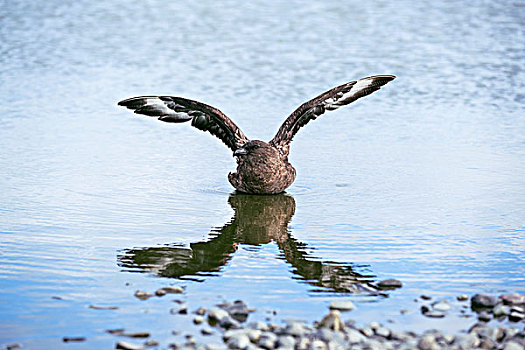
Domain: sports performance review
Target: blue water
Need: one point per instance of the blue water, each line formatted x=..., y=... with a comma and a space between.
x=422, y=181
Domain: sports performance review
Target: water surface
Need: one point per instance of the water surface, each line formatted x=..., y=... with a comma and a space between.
x=422, y=181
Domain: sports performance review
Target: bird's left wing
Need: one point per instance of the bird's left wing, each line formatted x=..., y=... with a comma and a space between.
x=173, y=109
x=327, y=101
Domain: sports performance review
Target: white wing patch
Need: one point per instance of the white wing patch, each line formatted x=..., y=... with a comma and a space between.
x=340, y=99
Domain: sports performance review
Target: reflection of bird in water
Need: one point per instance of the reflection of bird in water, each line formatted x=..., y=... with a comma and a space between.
x=257, y=220
x=262, y=168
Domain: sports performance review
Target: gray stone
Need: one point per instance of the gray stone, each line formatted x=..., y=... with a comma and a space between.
x=151, y=343
x=512, y=345
x=238, y=341
x=462, y=297
x=317, y=344
x=254, y=335
x=206, y=331
x=467, y=341
x=128, y=346
x=516, y=316
x=513, y=299
x=228, y=322
x=238, y=310
x=483, y=301
x=142, y=295
x=501, y=310
x=342, y=305
x=201, y=311
x=216, y=314
x=303, y=343
x=442, y=305
x=198, y=319
x=428, y=342
x=267, y=340
x=367, y=331
x=354, y=336
x=286, y=342
x=382, y=332
x=297, y=329
x=484, y=316
x=259, y=325
x=180, y=308
x=389, y=284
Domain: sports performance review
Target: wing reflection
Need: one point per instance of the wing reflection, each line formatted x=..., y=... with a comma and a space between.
x=257, y=220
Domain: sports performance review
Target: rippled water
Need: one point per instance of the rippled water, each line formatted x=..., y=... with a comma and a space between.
x=422, y=181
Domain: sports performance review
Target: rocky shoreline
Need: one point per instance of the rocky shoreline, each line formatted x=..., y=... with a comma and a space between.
x=229, y=321
x=332, y=333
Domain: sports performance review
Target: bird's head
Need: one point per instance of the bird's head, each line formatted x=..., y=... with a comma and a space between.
x=256, y=149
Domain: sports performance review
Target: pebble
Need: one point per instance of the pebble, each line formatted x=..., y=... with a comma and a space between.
x=201, y=311
x=482, y=301
x=128, y=346
x=98, y=307
x=484, y=316
x=180, y=309
x=354, y=336
x=286, y=342
x=296, y=329
x=238, y=341
x=428, y=342
x=206, y=331
x=382, y=332
x=13, y=346
x=390, y=284
x=317, y=344
x=501, y=310
x=516, y=316
x=513, y=299
x=73, y=339
x=342, y=305
x=134, y=334
x=511, y=345
x=142, y=295
x=425, y=297
x=198, y=319
x=441, y=305
x=172, y=289
x=238, y=310
x=462, y=297
x=151, y=343
x=267, y=340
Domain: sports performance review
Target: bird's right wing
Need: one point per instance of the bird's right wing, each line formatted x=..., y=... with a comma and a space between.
x=173, y=109
x=327, y=101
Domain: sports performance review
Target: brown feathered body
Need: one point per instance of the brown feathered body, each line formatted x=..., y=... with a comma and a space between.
x=262, y=168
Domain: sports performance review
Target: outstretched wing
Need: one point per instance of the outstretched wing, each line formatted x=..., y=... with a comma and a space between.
x=327, y=101
x=179, y=110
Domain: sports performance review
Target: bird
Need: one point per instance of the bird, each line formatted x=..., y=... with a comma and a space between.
x=262, y=167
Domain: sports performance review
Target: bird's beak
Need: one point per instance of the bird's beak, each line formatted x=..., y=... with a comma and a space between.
x=240, y=152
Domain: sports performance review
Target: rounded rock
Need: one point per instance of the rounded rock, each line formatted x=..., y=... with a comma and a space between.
x=317, y=344
x=267, y=340
x=441, y=305
x=286, y=342
x=238, y=341
x=390, y=284
x=342, y=305
x=513, y=299
x=483, y=301
x=512, y=345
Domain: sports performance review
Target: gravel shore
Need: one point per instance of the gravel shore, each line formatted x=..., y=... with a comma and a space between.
x=229, y=319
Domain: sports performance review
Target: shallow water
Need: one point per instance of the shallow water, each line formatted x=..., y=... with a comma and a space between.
x=422, y=181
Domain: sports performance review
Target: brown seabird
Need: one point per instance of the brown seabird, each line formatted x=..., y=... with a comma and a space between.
x=262, y=168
